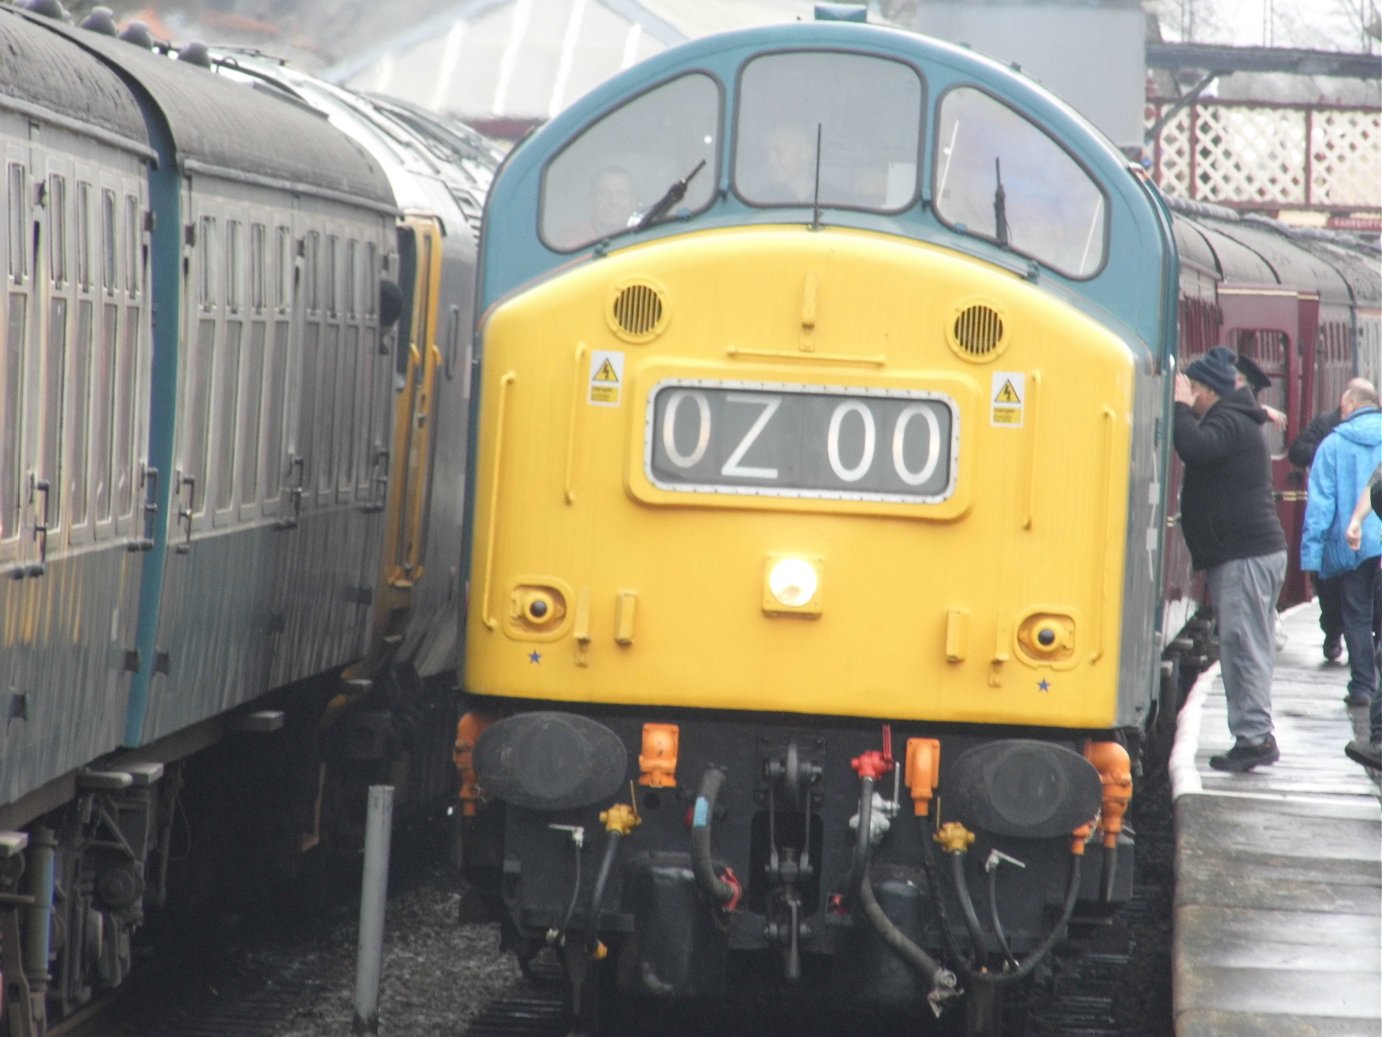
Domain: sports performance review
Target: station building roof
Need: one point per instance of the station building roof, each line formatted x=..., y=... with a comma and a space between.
x=505, y=65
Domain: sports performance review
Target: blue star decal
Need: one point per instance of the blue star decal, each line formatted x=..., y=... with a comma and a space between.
x=1043, y=685
x=535, y=656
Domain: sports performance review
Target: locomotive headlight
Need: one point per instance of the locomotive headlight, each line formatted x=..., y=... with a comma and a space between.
x=792, y=585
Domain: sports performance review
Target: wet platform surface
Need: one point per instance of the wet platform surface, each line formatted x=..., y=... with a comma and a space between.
x=1278, y=912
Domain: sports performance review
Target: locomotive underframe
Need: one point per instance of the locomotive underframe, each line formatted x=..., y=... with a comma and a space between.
x=782, y=826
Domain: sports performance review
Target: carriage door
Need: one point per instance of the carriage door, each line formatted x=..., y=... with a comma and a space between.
x=1264, y=326
x=18, y=212
x=416, y=405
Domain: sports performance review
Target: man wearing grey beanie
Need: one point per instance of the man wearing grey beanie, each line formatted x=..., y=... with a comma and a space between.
x=1230, y=525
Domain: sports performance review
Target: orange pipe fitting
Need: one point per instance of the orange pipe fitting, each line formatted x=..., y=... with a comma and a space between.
x=954, y=837
x=1111, y=761
x=923, y=772
x=468, y=731
x=657, y=763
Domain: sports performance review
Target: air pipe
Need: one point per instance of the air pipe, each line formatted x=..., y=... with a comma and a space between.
x=619, y=820
x=956, y=841
x=941, y=980
x=721, y=893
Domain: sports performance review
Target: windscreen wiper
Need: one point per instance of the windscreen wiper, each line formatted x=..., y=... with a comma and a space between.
x=674, y=194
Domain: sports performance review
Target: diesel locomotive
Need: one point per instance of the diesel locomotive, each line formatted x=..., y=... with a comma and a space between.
x=233, y=411
x=824, y=590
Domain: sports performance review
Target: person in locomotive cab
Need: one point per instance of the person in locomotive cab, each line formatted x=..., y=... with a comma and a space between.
x=1339, y=475
x=613, y=201
x=1368, y=753
x=1301, y=453
x=790, y=155
x=1229, y=521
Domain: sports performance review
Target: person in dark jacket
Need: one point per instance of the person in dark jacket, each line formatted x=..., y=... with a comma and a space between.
x=1228, y=518
x=1301, y=453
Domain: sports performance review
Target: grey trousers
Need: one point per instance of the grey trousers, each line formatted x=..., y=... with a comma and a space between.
x=1245, y=592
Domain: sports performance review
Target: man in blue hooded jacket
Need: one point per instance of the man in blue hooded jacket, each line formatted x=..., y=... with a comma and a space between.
x=1346, y=459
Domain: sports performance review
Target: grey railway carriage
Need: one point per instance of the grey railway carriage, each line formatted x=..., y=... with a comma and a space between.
x=223, y=354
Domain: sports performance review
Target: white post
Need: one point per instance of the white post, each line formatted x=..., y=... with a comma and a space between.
x=373, y=893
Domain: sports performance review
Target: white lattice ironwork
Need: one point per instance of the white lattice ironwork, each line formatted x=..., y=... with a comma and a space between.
x=1270, y=156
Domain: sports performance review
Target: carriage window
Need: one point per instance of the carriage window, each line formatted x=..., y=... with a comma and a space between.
x=226, y=383
x=134, y=269
x=310, y=271
x=206, y=256
x=11, y=378
x=250, y=402
x=234, y=275
x=1267, y=350
x=108, y=240
x=333, y=275
x=257, y=280
x=125, y=414
x=620, y=167
x=57, y=228
x=347, y=399
x=283, y=275
x=84, y=235
x=199, y=374
x=842, y=127
x=54, y=363
x=998, y=176
x=371, y=268
x=103, y=394
x=77, y=412
x=275, y=375
x=18, y=210
x=352, y=278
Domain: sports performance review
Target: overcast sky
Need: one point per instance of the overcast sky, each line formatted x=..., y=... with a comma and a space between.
x=1311, y=24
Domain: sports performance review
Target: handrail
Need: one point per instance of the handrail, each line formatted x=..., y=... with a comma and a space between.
x=504, y=383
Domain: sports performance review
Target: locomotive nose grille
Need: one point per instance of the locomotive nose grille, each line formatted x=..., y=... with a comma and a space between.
x=978, y=332
x=638, y=312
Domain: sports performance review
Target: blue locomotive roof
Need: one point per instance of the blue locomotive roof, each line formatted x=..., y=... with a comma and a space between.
x=41, y=76
x=1128, y=260
x=237, y=131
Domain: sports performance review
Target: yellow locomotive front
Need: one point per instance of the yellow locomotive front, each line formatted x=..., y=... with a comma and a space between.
x=812, y=471
x=817, y=487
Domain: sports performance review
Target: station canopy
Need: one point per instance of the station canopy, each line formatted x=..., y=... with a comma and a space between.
x=506, y=65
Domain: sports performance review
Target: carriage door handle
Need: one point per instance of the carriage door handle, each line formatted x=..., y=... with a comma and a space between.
x=295, y=464
x=148, y=477
x=37, y=486
x=185, y=514
x=379, y=482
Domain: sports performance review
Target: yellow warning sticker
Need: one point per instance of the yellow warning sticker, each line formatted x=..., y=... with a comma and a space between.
x=1007, y=399
x=606, y=377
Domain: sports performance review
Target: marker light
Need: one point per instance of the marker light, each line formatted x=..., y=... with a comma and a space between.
x=792, y=585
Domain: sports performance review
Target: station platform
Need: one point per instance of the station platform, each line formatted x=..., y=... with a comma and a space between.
x=1278, y=905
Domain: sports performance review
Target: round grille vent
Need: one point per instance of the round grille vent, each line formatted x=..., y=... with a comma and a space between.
x=638, y=312
x=978, y=332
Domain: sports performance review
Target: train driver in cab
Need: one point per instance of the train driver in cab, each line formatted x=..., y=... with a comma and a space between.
x=790, y=155
x=609, y=206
